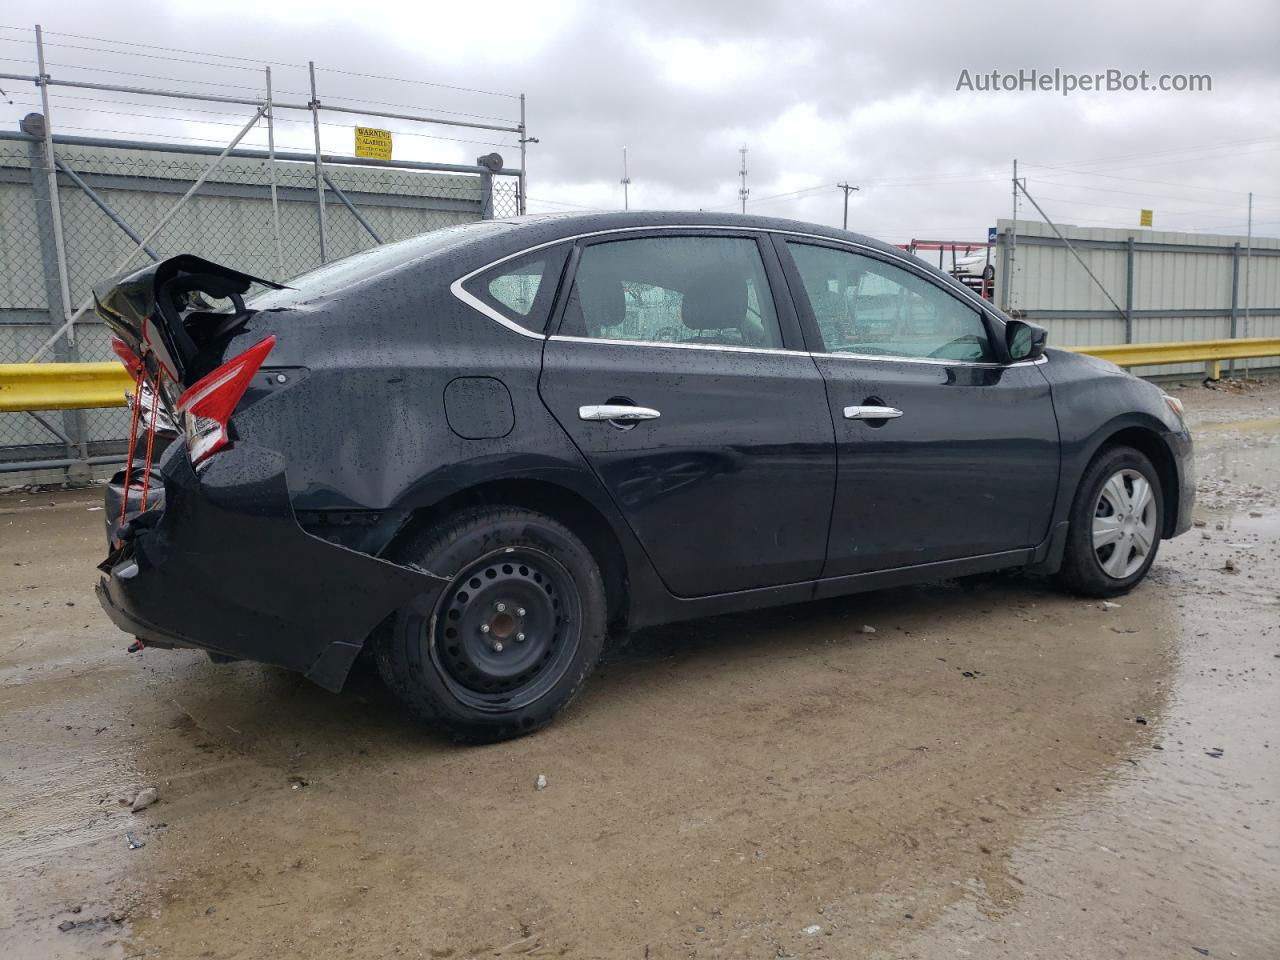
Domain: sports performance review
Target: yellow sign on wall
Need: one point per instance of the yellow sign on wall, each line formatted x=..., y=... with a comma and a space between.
x=1144, y=218
x=373, y=143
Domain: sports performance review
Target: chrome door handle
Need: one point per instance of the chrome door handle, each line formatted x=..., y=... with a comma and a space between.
x=872, y=413
x=623, y=413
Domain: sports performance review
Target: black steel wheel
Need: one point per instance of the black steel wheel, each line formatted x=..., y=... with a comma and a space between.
x=505, y=628
x=508, y=643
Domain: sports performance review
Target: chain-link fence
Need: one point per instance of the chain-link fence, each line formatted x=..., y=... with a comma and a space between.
x=110, y=197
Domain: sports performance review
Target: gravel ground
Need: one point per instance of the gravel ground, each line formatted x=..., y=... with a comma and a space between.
x=999, y=770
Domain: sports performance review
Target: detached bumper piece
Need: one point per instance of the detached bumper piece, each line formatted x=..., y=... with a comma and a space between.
x=224, y=567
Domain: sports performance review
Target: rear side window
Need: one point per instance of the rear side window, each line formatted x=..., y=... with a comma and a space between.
x=863, y=305
x=689, y=290
x=521, y=289
x=517, y=289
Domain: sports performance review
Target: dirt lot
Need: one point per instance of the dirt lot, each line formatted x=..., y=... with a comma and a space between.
x=998, y=770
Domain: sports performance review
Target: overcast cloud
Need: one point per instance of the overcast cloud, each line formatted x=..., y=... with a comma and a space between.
x=819, y=92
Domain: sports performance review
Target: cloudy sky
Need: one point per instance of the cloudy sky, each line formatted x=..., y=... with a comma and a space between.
x=818, y=92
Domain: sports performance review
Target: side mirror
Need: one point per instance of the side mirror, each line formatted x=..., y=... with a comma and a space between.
x=1025, y=341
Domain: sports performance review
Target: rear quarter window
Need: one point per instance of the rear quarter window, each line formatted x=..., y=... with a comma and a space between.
x=521, y=288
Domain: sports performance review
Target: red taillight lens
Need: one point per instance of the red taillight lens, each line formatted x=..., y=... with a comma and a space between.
x=206, y=406
x=132, y=362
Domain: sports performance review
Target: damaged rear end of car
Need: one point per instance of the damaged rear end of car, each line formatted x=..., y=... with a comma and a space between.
x=205, y=547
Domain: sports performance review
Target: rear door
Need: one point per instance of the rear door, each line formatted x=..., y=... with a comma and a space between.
x=943, y=451
x=685, y=385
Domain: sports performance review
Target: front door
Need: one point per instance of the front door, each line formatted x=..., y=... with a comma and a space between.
x=686, y=387
x=943, y=451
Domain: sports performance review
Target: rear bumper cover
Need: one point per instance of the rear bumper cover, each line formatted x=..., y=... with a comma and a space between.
x=226, y=568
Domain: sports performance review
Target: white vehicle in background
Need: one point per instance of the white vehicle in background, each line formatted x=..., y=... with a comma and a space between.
x=976, y=271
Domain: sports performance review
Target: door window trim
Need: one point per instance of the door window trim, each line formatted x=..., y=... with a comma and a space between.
x=457, y=289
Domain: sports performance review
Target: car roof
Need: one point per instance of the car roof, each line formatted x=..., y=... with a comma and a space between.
x=570, y=224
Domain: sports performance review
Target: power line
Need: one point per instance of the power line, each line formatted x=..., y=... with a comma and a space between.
x=425, y=83
x=151, y=76
x=1158, y=153
x=358, y=101
x=152, y=46
x=1116, y=206
x=149, y=56
x=353, y=102
x=1132, y=193
x=777, y=196
x=563, y=203
x=236, y=66
x=1163, y=183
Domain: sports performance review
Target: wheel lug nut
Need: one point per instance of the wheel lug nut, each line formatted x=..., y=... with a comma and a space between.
x=497, y=646
x=519, y=638
x=500, y=607
x=520, y=612
x=484, y=628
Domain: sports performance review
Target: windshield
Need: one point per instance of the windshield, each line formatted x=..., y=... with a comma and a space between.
x=332, y=277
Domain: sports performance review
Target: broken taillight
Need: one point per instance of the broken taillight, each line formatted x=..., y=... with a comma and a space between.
x=132, y=362
x=207, y=405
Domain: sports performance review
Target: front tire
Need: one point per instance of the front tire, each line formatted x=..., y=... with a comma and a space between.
x=511, y=639
x=1115, y=525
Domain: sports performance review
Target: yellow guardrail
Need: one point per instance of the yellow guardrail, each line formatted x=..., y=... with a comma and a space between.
x=62, y=386
x=73, y=386
x=1210, y=352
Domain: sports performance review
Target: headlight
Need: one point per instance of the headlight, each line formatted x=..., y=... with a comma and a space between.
x=1174, y=404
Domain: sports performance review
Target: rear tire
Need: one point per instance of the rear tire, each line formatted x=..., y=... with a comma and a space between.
x=1115, y=526
x=508, y=644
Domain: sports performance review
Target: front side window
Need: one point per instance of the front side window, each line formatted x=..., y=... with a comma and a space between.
x=690, y=290
x=863, y=305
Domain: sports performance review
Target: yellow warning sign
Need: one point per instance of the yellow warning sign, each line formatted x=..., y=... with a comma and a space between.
x=373, y=143
x=1144, y=216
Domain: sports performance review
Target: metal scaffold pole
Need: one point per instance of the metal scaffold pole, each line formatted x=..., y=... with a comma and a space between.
x=315, y=126
x=271, y=163
x=155, y=231
x=54, y=204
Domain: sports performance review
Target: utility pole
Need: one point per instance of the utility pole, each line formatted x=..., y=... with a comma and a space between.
x=626, y=182
x=1013, y=240
x=742, y=190
x=847, y=190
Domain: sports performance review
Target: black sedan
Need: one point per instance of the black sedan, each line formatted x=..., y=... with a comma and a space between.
x=483, y=451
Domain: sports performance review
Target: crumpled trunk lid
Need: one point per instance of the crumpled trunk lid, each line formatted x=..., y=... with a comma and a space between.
x=163, y=314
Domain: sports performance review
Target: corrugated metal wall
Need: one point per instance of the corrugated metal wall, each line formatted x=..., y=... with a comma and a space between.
x=1182, y=286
